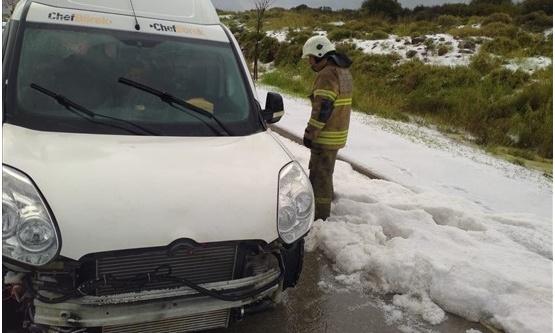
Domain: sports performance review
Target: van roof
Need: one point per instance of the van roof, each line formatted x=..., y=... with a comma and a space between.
x=186, y=11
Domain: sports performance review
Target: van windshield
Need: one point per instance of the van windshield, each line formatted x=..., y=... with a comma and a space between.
x=85, y=66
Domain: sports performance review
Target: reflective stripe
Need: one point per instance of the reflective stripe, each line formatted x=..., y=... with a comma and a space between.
x=343, y=101
x=332, y=138
x=325, y=93
x=333, y=134
x=322, y=201
x=331, y=142
x=316, y=123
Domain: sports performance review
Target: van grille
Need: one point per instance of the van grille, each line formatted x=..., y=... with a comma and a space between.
x=202, y=264
x=205, y=321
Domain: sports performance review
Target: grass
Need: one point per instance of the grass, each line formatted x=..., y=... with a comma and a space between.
x=524, y=158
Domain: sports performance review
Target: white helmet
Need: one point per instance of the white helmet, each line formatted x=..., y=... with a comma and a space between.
x=317, y=46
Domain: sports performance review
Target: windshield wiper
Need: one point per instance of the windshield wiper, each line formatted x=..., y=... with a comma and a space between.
x=89, y=115
x=172, y=100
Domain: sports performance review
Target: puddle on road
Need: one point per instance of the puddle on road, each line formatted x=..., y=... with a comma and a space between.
x=318, y=304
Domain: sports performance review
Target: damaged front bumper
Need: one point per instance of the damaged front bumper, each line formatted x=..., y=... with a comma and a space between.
x=152, y=306
x=182, y=287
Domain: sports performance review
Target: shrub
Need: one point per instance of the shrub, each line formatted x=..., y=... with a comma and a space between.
x=428, y=104
x=448, y=21
x=247, y=40
x=488, y=7
x=413, y=29
x=374, y=65
x=413, y=75
x=464, y=32
x=535, y=44
x=298, y=37
x=348, y=48
x=459, y=77
x=498, y=29
x=369, y=23
x=498, y=18
x=504, y=77
x=535, y=22
x=442, y=50
x=500, y=46
x=288, y=54
x=378, y=34
x=341, y=33
x=484, y=63
x=535, y=126
x=372, y=96
x=390, y=8
x=529, y=6
x=286, y=80
x=267, y=48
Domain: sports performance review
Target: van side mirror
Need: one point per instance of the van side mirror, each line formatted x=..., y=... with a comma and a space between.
x=273, y=111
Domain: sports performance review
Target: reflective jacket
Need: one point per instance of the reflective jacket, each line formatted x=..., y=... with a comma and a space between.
x=331, y=98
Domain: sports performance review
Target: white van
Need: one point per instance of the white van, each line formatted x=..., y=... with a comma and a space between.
x=142, y=190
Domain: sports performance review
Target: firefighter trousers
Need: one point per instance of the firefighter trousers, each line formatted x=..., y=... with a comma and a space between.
x=321, y=166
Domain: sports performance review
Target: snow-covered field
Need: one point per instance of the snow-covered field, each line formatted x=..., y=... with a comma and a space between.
x=459, y=51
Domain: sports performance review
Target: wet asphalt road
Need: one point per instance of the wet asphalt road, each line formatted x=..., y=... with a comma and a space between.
x=318, y=304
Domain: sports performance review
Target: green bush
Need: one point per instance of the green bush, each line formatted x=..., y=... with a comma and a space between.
x=535, y=44
x=298, y=37
x=428, y=104
x=530, y=6
x=464, y=32
x=498, y=18
x=414, y=29
x=369, y=24
x=268, y=48
x=443, y=49
x=409, y=76
x=484, y=63
x=342, y=33
x=287, y=80
x=535, y=22
x=247, y=40
x=534, y=125
x=389, y=8
x=348, y=48
x=374, y=65
x=459, y=77
x=498, y=29
x=504, y=77
x=500, y=46
x=522, y=120
x=448, y=21
x=288, y=54
x=378, y=34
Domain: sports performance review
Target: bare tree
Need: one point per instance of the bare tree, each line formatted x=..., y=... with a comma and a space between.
x=9, y=4
x=260, y=6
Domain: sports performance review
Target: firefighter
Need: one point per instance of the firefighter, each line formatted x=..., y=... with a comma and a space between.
x=328, y=126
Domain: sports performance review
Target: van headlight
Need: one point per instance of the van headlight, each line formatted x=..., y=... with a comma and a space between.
x=29, y=234
x=295, y=203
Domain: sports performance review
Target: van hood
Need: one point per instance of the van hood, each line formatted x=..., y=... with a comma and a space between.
x=110, y=192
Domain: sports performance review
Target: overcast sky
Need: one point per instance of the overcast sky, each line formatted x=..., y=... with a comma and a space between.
x=238, y=5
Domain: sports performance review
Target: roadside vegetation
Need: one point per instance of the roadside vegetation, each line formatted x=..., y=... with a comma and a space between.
x=506, y=110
